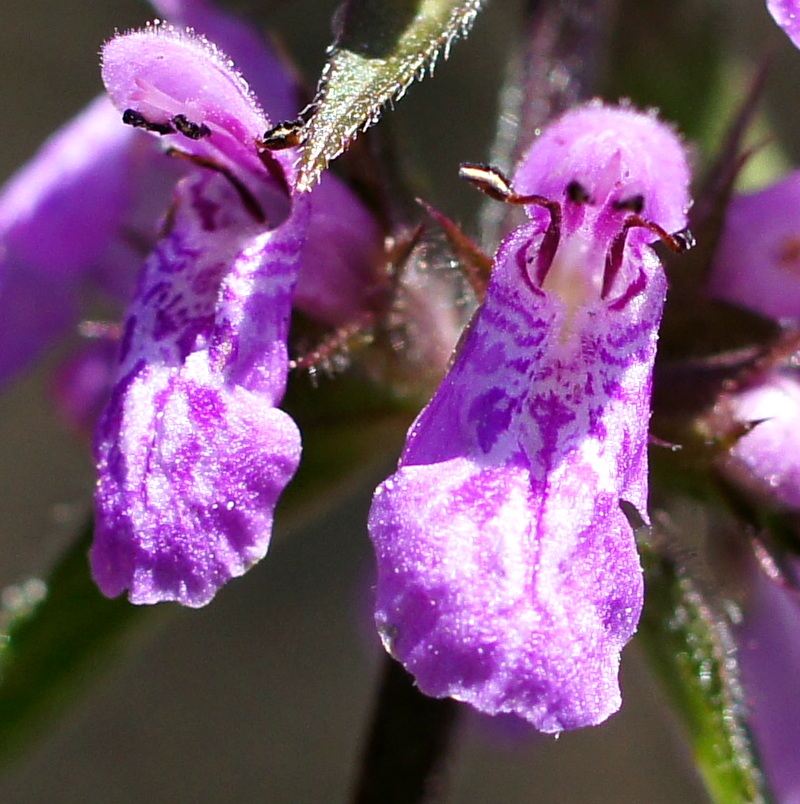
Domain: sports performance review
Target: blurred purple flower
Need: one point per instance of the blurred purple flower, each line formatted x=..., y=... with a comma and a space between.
x=787, y=15
x=769, y=652
x=765, y=462
x=508, y=572
x=757, y=263
x=78, y=218
x=757, y=266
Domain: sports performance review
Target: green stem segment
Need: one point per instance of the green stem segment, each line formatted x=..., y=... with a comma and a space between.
x=50, y=650
x=693, y=654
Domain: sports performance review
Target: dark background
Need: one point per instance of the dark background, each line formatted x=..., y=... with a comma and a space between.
x=264, y=695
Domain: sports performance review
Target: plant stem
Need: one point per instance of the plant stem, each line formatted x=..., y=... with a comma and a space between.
x=404, y=757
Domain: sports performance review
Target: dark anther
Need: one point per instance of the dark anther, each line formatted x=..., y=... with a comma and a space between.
x=678, y=242
x=633, y=204
x=194, y=131
x=288, y=134
x=136, y=119
x=577, y=193
x=684, y=239
x=489, y=180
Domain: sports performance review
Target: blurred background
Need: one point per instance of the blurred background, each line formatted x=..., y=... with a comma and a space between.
x=266, y=694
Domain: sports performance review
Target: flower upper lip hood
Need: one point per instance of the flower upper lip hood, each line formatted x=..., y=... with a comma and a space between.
x=154, y=73
x=508, y=575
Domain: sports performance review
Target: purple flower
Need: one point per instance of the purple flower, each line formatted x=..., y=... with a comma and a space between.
x=75, y=218
x=757, y=266
x=508, y=572
x=787, y=15
x=192, y=451
x=78, y=220
x=765, y=462
x=757, y=263
x=769, y=652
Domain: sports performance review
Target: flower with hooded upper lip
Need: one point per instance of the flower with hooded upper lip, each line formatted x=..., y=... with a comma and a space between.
x=192, y=450
x=508, y=575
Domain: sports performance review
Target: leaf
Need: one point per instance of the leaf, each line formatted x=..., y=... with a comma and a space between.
x=68, y=635
x=690, y=649
x=382, y=47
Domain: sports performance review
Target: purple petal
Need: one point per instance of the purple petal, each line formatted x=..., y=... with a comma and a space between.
x=769, y=652
x=274, y=83
x=757, y=263
x=57, y=217
x=587, y=147
x=787, y=15
x=161, y=73
x=508, y=573
x=190, y=472
x=766, y=460
x=79, y=217
x=192, y=453
x=339, y=271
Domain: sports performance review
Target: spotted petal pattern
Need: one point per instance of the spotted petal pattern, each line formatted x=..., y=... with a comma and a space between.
x=508, y=572
x=192, y=451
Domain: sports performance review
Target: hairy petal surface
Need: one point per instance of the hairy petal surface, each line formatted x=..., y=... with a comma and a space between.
x=508, y=572
x=191, y=451
x=163, y=73
x=276, y=87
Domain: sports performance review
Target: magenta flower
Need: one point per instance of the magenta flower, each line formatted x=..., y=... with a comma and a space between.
x=757, y=264
x=192, y=450
x=765, y=461
x=508, y=571
x=769, y=652
x=787, y=15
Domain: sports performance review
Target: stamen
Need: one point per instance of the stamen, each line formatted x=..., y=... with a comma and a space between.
x=194, y=131
x=288, y=134
x=248, y=199
x=680, y=241
x=130, y=117
x=494, y=183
